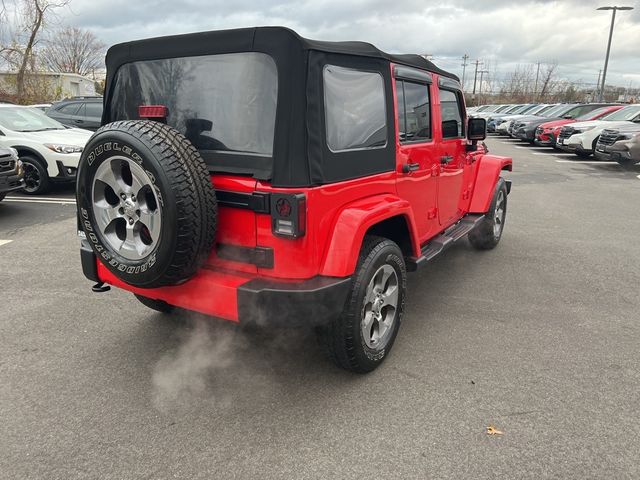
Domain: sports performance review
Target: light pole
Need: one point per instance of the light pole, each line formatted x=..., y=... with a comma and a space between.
x=606, y=58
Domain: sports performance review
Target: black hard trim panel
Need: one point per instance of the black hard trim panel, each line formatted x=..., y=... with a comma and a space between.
x=261, y=257
x=412, y=74
x=308, y=302
x=88, y=260
x=259, y=202
x=442, y=242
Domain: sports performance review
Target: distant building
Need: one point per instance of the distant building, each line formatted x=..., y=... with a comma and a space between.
x=61, y=85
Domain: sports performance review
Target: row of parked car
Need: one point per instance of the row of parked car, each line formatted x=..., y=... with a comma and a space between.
x=605, y=130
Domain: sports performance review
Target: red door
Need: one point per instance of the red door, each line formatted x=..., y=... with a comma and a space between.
x=452, y=157
x=418, y=160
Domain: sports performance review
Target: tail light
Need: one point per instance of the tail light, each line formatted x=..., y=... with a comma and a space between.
x=153, y=111
x=288, y=214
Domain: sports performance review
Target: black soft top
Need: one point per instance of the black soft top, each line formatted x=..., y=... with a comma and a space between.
x=300, y=115
x=249, y=39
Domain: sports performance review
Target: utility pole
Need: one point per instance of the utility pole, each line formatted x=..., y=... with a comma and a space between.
x=475, y=79
x=606, y=58
x=597, y=95
x=465, y=57
x=535, y=89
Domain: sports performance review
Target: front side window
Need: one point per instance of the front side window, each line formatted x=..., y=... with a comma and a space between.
x=224, y=103
x=452, y=126
x=414, y=115
x=355, y=109
x=93, y=110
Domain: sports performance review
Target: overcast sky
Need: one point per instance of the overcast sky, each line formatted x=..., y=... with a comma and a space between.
x=503, y=31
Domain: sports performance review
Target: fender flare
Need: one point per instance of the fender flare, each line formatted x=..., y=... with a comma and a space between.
x=351, y=225
x=488, y=168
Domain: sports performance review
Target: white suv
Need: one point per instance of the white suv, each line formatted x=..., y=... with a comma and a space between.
x=49, y=151
x=582, y=137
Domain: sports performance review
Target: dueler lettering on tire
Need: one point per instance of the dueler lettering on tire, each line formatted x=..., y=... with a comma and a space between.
x=146, y=203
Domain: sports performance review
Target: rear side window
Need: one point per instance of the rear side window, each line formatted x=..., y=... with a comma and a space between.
x=414, y=114
x=355, y=109
x=224, y=103
x=452, y=126
x=69, y=109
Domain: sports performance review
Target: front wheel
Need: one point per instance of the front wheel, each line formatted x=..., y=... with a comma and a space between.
x=487, y=235
x=36, y=177
x=362, y=337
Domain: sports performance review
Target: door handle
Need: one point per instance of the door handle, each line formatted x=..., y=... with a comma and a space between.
x=410, y=167
x=445, y=160
x=79, y=121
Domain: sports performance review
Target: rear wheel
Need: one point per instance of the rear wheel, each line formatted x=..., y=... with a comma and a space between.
x=362, y=337
x=487, y=235
x=36, y=177
x=157, y=305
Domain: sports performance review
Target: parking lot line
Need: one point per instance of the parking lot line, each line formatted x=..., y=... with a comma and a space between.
x=4, y=242
x=555, y=154
x=42, y=201
x=588, y=162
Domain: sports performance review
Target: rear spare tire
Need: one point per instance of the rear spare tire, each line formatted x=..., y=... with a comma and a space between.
x=146, y=203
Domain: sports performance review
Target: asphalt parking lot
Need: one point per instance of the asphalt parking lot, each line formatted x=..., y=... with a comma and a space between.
x=538, y=338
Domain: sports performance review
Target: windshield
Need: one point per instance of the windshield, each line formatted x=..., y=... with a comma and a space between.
x=593, y=114
x=221, y=103
x=528, y=109
x=514, y=109
x=557, y=111
x=26, y=119
x=541, y=109
x=502, y=108
x=626, y=113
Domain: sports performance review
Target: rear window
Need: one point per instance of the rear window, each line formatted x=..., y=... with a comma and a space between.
x=223, y=103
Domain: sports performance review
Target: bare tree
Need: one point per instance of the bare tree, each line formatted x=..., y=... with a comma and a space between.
x=73, y=50
x=19, y=53
x=548, y=78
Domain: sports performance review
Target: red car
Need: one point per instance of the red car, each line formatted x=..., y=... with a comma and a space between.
x=260, y=177
x=547, y=133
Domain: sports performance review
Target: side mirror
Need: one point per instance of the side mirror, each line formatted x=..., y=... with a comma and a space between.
x=476, y=129
x=2, y=134
x=568, y=116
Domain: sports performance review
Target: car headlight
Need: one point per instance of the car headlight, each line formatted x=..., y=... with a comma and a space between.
x=14, y=152
x=58, y=148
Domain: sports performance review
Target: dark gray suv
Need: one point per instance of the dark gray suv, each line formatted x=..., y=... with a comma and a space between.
x=79, y=112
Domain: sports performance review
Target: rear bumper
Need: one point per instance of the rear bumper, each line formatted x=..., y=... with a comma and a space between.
x=242, y=298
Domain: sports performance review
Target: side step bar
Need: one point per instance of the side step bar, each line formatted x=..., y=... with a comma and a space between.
x=440, y=243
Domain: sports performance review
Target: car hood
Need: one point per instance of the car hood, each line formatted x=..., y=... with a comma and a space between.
x=69, y=136
x=556, y=123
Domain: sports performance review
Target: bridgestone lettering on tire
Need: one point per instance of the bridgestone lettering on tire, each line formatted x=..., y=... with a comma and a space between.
x=146, y=203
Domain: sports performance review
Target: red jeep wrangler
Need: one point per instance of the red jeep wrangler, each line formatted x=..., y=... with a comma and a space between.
x=260, y=177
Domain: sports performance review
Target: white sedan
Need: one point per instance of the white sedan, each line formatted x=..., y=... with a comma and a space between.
x=49, y=151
